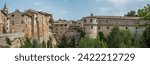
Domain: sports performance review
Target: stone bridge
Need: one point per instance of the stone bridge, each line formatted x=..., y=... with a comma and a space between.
x=14, y=37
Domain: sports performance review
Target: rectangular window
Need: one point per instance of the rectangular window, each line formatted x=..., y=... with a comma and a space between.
x=91, y=27
x=126, y=27
x=91, y=20
x=21, y=22
x=12, y=22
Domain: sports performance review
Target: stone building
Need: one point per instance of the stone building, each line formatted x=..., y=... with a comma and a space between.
x=67, y=28
x=60, y=27
x=41, y=24
x=20, y=22
x=95, y=24
x=70, y=29
x=4, y=20
x=30, y=23
x=34, y=24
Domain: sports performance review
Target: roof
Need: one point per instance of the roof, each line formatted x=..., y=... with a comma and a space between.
x=44, y=13
x=23, y=13
x=112, y=17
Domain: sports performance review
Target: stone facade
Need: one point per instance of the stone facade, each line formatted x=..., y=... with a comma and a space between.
x=16, y=39
x=20, y=22
x=41, y=24
x=67, y=28
x=33, y=23
x=95, y=24
x=4, y=21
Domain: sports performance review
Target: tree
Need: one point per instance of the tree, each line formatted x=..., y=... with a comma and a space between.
x=101, y=36
x=63, y=43
x=43, y=44
x=8, y=41
x=126, y=39
x=119, y=38
x=131, y=14
x=100, y=43
x=27, y=43
x=87, y=42
x=49, y=43
x=114, y=38
x=36, y=44
x=31, y=43
x=137, y=41
x=144, y=13
x=146, y=36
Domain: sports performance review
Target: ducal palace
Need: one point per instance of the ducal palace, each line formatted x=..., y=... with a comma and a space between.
x=41, y=25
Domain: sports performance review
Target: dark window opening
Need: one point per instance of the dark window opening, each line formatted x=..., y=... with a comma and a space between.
x=99, y=27
x=107, y=27
x=22, y=15
x=12, y=15
x=50, y=27
x=21, y=22
x=136, y=28
x=126, y=27
x=91, y=27
x=91, y=20
x=12, y=22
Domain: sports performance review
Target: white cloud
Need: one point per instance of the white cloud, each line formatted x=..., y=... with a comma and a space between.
x=118, y=3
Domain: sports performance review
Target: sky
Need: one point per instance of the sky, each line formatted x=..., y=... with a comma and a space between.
x=76, y=9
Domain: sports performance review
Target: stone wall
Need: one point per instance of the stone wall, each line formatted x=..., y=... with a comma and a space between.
x=95, y=24
x=16, y=39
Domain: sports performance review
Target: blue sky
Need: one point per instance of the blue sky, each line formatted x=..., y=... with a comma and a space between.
x=76, y=9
